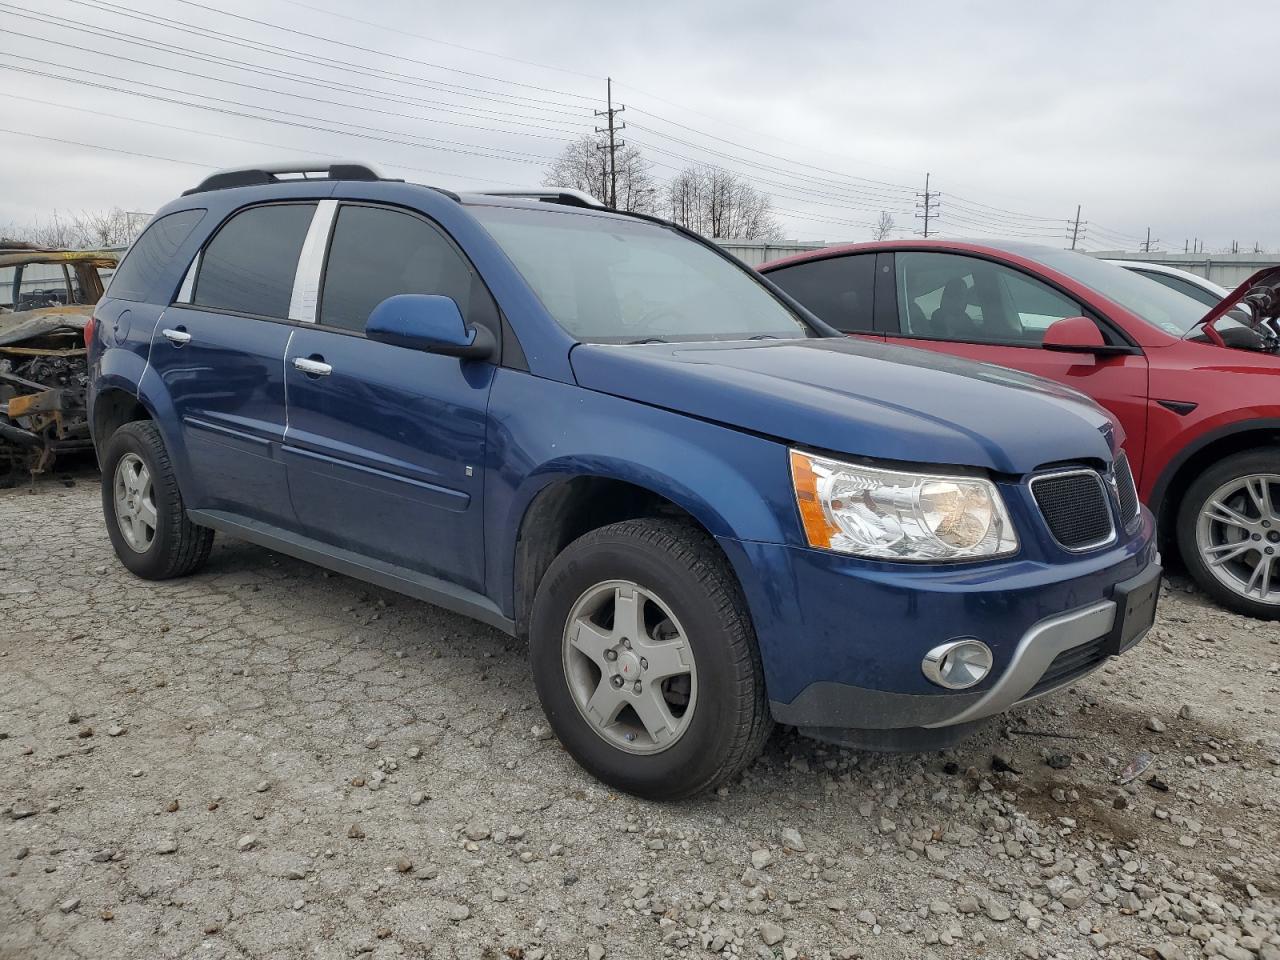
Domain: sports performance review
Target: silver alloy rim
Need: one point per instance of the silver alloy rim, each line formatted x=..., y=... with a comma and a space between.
x=629, y=667
x=135, y=503
x=1238, y=536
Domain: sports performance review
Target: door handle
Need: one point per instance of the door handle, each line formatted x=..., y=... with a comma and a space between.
x=176, y=337
x=312, y=368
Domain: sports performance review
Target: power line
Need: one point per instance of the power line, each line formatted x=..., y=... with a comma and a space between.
x=522, y=158
x=447, y=43
x=379, y=53
x=93, y=111
x=288, y=93
x=96, y=146
x=186, y=54
x=281, y=52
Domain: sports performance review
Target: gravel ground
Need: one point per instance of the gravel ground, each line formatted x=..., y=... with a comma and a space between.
x=268, y=761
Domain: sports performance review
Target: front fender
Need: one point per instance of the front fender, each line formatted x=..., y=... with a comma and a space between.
x=737, y=485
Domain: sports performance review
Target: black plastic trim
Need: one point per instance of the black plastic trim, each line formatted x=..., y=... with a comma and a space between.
x=411, y=583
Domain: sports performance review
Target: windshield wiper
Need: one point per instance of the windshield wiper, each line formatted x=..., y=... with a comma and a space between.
x=646, y=340
x=764, y=336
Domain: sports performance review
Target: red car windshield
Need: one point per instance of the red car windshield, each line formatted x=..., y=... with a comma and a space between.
x=1168, y=310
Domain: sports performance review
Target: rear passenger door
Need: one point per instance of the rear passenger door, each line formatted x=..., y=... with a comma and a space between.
x=219, y=348
x=840, y=290
x=385, y=445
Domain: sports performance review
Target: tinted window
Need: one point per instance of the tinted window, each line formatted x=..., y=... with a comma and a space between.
x=151, y=254
x=614, y=279
x=839, y=290
x=378, y=253
x=944, y=296
x=248, y=266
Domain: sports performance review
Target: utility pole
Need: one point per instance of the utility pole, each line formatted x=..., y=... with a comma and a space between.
x=613, y=144
x=928, y=205
x=1146, y=244
x=1075, y=228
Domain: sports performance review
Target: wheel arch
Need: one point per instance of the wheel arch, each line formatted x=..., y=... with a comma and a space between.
x=1192, y=460
x=569, y=507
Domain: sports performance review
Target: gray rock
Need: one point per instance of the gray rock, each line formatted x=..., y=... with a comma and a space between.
x=791, y=838
x=167, y=845
x=262, y=786
x=22, y=809
x=595, y=951
x=1156, y=725
x=66, y=906
x=995, y=910
x=761, y=859
x=247, y=842
x=771, y=933
x=458, y=912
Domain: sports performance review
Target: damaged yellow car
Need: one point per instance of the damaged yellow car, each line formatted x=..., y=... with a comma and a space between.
x=45, y=298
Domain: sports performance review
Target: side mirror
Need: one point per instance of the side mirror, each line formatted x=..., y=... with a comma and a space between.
x=429, y=323
x=1075, y=335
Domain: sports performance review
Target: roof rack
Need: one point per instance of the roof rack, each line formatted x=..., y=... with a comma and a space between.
x=279, y=172
x=563, y=195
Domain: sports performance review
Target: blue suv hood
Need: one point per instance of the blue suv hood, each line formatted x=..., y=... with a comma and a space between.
x=860, y=397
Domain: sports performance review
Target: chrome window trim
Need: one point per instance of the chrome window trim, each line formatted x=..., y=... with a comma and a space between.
x=188, y=289
x=306, y=279
x=1106, y=498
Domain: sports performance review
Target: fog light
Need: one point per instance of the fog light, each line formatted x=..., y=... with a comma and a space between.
x=958, y=664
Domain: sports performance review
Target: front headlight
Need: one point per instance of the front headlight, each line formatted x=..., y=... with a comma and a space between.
x=895, y=515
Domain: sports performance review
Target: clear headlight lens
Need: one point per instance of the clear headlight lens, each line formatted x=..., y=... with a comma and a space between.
x=894, y=515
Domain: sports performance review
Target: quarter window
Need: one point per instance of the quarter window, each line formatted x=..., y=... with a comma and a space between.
x=151, y=254
x=943, y=296
x=377, y=253
x=839, y=289
x=249, y=265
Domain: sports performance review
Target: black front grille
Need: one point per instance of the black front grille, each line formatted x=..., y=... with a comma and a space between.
x=1126, y=490
x=1075, y=507
x=1070, y=664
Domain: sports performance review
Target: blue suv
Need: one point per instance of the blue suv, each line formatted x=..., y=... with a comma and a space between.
x=705, y=509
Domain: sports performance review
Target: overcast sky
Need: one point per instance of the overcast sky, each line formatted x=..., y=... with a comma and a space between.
x=1148, y=114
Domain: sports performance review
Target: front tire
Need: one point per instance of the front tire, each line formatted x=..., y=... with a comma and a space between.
x=146, y=519
x=646, y=662
x=1228, y=529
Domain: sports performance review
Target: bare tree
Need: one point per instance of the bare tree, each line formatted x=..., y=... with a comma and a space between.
x=583, y=165
x=884, y=227
x=92, y=228
x=718, y=203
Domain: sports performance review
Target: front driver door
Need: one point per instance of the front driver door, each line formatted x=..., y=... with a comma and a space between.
x=385, y=445
x=975, y=308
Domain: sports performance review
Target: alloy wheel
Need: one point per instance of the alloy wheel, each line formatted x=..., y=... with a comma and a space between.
x=629, y=667
x=135, y=502
x=1238, y=536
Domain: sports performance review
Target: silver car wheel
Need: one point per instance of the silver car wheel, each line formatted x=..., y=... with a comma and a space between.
x=1238, y=536
x=629, y=667
x=135, y=503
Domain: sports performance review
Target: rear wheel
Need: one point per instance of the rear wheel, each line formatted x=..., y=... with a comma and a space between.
x=1229, y=532
x=146, y=519
x=645, y=660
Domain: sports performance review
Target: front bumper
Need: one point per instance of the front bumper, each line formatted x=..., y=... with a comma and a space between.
x=842, y=641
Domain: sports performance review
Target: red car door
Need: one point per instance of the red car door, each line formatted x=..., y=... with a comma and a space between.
x=976, y=308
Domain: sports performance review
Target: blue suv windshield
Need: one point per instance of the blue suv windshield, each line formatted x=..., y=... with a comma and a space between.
x=609, y=279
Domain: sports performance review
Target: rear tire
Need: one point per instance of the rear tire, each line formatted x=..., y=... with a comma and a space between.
x=146, y=519
x=1222, y=548
x=689, y=629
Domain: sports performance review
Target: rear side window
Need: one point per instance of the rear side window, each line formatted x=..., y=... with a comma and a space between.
x=377, y=253
x=839, y=289
x=147, y=259
x=249, y=265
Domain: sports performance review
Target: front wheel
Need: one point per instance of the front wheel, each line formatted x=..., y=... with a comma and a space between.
x=1229, y=532
x=645, y=660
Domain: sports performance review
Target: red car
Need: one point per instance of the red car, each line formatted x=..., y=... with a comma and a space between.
x=1191, y=390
